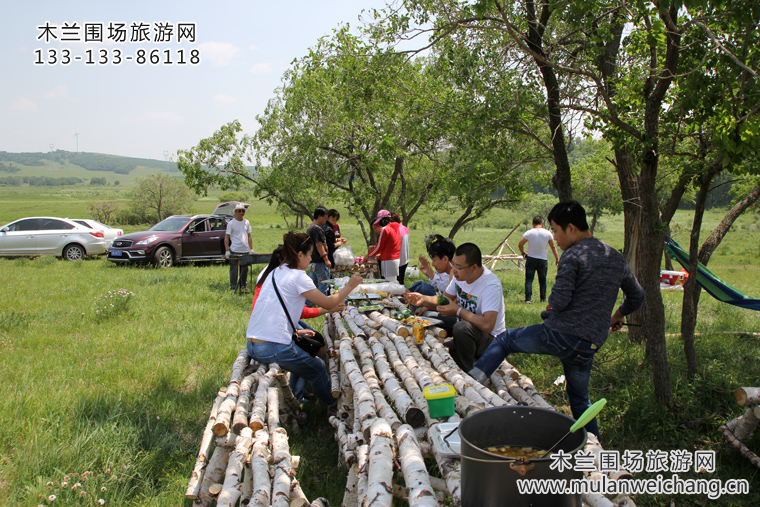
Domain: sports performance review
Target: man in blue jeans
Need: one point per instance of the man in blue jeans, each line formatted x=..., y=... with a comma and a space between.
x=577, y=320
x=536, y=258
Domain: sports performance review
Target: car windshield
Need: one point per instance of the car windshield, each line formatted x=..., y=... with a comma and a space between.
x=171, y=224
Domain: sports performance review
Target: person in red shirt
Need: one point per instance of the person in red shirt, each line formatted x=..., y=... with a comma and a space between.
x=388, y=247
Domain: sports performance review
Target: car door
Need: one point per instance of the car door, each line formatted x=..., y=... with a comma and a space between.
x=193, y=237
x=53, y=235
x=20, y=238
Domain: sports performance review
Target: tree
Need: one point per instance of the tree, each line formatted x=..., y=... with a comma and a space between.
x=103, y=211
x=595, y=181
x=158, y=196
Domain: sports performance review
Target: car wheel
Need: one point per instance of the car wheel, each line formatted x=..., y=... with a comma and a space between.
x=73, y=253
x=163, y=258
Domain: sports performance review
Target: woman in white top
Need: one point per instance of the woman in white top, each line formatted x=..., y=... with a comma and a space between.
x=269, y=332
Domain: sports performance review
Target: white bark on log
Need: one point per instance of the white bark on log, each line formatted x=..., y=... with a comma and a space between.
x=224, y=416
x=437, y=483
x=390, y=324
x=228, y=441
x=282, y=468
x=350, y=319
x=739, y=446
x=527, y=385
x=236, y=377
x=746, y=426
x=346, y=442
x=748, y=396
x=407, y=355
x=233, y=480
x=350, y=498
x=332, y=364
x=246, y=489
x=297, y=496
x=364, y=405
x=380, y=476
x=273, y=408
x=362, y=470
x=437, y=332
x=243, y=405
x=291, y=404
x=464, y=406
x=401, y=399
x=259, y=409
x=262, y=480
x=451, y=472
x=214, y=473
x=517, y=392
x=418, y=488
x=384, y=410
x=501, y=389
x=194, y=486
x=408, y=345
x=407, y=378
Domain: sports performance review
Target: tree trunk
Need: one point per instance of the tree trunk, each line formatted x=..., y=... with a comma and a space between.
x=691, y=288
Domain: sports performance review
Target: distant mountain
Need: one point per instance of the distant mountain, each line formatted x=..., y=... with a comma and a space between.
x=89, y=161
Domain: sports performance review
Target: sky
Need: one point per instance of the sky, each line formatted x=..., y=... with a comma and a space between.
x=148, y=111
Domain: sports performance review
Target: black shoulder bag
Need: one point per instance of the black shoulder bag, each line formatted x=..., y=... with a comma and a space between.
x=310, y=345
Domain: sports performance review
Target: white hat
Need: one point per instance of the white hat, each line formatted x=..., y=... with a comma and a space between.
x=241, y=205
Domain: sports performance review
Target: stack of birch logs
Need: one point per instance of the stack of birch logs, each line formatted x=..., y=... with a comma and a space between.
x=378, y=373
x=737, y=431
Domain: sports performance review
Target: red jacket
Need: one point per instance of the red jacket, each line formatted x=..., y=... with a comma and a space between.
x=307, y=313
x=388, y=244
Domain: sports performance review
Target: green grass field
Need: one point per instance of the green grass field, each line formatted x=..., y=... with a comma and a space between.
x=123, y=394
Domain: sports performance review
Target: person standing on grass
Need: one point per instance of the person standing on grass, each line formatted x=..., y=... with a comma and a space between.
x=388, y=247
x=332, y=240
x=536, y=259
x=319, y=268
x=403, y=257
x=577, y=320
x=476, y=297
x=238, y=242
x=269, y=333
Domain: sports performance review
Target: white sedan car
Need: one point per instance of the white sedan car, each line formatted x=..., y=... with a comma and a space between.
x=109, y=232
x=50, y=236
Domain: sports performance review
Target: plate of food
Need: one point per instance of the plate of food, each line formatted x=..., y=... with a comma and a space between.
x=425, y=321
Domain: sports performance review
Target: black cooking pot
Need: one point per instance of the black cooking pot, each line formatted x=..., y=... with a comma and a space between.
x=490, y=480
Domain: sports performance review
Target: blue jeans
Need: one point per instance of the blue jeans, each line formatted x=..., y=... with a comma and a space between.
x=318, y=272
x=576, y=355
x=533, y=266
x=300, y=365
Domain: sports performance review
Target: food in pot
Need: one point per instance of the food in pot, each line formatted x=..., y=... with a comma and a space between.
x=515, y=451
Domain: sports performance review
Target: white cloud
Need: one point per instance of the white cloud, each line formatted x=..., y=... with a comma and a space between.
x=261, y=68
x=218, y=53
x=59, y=92
x=224, y=99
x=23, y=105
x=253, y=48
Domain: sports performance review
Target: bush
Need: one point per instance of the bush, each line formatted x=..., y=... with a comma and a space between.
x=233, y=196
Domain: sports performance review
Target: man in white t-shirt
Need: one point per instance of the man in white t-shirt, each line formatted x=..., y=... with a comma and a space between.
x=475, y=296
x=536, y=258
x=238, y=242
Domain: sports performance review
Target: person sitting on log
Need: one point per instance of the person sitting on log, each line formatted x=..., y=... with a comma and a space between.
x=476, y=297
x=577, y=319
x=284, y=290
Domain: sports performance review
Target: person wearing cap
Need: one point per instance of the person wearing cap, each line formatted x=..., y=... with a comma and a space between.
x=388, y=247
x=403, y=259
x=238, y=242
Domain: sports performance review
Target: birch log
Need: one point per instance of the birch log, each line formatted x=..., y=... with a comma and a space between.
x=380, y=476
x=259, y=408
x=365, y=402
x=194, y=486
x=384, y=410
x=739, y=445
x=246, y=489
x=282, y=468
x=403, y=402
x=451, y=472
x=389, y=324
x=501, y=389
x=273, y=408
x=332, y=364
x=527, y=385
x=297, y=496
x=214, y=474
x=262, y=480
x=231, y=489
x=291, y=404
x=419, y=491
x=224, y=415
x=745, y=427
x=748, y=396
x=362, y=469
x=243, y=405
x=517, y=392
x=346, y=441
